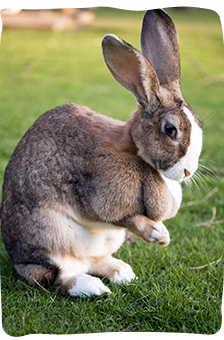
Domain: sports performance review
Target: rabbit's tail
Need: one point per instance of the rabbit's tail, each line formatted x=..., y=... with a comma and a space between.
x=38, y=274
x=33, y=263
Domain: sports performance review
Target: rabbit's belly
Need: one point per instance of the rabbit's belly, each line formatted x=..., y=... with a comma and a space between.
x=87, y=247
x=65, y=233
x=70, y=265
x=95, y=239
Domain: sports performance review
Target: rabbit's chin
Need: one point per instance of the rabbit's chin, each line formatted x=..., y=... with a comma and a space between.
x=173, y=175
x=179, y=172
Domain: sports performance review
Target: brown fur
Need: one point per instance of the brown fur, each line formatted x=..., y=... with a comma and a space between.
x=162, y=152
x=142, y=226
x=66, y=284
x=36, y=274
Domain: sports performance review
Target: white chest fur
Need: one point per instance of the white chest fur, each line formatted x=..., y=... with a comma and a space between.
x=174, y=188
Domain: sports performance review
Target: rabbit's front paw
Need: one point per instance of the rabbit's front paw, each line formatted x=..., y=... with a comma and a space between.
x=160, y=235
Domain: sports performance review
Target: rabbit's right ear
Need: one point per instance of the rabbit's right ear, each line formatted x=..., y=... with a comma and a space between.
x=160, y=46
x=130, y=69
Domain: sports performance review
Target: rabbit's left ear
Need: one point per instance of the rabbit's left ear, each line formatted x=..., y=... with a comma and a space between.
x=130, y=69
x=159, y=42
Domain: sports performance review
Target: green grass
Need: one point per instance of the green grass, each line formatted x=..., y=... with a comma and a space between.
x=40, y=70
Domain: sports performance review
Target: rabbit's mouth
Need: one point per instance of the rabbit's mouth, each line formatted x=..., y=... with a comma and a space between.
x=179, y=172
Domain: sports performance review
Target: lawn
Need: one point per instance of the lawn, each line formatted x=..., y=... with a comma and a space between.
x=40, y=70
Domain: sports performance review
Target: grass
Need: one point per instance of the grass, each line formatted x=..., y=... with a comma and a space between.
x=40, y=70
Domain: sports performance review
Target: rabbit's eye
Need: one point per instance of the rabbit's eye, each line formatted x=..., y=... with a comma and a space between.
x=170, y=130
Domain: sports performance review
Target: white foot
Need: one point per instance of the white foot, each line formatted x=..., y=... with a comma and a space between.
x=86, y=285
x=160, y=235
x=122, y=272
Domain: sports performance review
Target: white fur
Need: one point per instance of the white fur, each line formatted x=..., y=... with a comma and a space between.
x=116, y=270
x=123, y=272
x=78, y=236
x=155, y=236
x=190, y=160
x=87, y=241
x=87, y=285
x=194, y=149
x=161, y=234
x=71, y=266
x=175, y=189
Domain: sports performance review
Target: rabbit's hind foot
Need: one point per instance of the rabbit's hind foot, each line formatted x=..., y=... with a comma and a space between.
x=75, y=274
x=115, y=270
x=84, y=285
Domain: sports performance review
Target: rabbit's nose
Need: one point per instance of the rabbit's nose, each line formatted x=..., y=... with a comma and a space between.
x=186, y=173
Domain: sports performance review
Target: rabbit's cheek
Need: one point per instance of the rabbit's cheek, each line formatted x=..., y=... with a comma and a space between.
x=188, y=164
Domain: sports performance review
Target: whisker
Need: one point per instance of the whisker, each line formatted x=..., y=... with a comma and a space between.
x=193, y=179
x=204, y=184
x=204, y=170
x=198, y=180
x=209, y=117
x=208, y=177
x=189, y=185
x=205, y=175
x=213, y=164
x=216, y=167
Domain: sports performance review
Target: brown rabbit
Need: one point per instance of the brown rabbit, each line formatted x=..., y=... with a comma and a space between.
x=78, y=180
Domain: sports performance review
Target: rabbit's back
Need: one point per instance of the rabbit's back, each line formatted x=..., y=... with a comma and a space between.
x=47, y=156
x=70, y=156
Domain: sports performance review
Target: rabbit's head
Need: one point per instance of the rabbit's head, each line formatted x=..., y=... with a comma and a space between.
x=166, y=131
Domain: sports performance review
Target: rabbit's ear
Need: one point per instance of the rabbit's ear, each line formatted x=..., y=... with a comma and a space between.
x=159, y=42
x=130, y=68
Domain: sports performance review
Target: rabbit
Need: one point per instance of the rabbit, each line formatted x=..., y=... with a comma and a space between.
x=78, y=180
